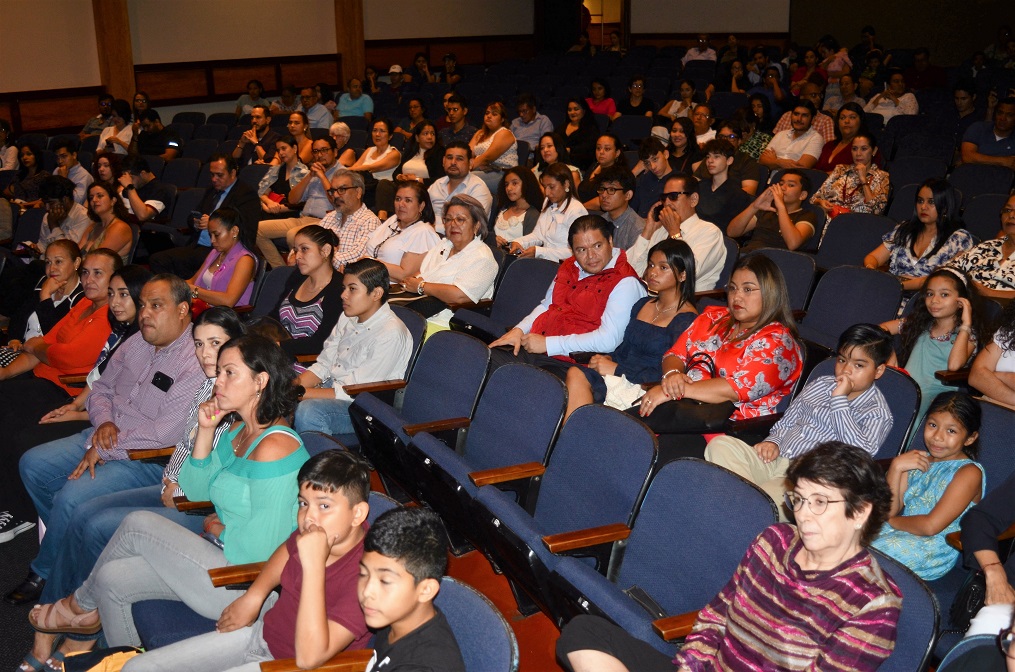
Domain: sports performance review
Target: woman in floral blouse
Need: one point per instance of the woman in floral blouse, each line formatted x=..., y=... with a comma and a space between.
x=991, y=264
x=857, y=187
x=932, y=238
x=752, y=343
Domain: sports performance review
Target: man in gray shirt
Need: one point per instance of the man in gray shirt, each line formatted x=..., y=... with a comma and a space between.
x=616, y=189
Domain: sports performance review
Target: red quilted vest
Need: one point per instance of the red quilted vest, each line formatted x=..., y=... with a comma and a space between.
x=578, y=305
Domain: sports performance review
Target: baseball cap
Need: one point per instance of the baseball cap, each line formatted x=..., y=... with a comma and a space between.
x=394, y=68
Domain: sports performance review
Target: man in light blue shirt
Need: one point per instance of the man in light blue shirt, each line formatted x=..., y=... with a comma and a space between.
x=319, y=115
x=67, y=166
x=530, y=124
x=355, y=103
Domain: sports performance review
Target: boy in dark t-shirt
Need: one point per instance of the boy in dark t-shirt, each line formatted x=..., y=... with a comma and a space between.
x=404, y=558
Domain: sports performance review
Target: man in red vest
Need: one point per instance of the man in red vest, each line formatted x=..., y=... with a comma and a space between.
x=586, y=308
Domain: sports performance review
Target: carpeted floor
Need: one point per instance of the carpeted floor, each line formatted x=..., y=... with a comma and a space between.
x=15, y=556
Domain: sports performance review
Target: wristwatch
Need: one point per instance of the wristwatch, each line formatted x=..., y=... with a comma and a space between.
x=419, y=289
x=193, y=293
x=128, y=189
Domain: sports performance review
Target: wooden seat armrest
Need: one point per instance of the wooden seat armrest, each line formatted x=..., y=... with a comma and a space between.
x=347, y=661
x=151, y=453
x=710, y=294
x=74, y=380
x=799, y=314
x=243, y=310
x=955, y=539
x=569, y=541
x=183, y=504
x=307, y=359
x=675, y=627
x=470, y=305
x=763, y=423
x=380, y=386
x=884, y=463
x=959, y=377
x=230, y=574
x=445, y=425
x=504, y=474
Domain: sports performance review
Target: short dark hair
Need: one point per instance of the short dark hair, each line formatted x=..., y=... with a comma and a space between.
x=55, y=187
x=619, y=174
x=122, y=109
x=390, y=127
x=136, y=164
x=689, y=181
x=178, y=287
x=231, y=165
x=526, y=99
x=458, y=98
x=650, y=147
x=337, y=471
x=805, y=181
x=803, y=102
x=590, y=223
x=415, y=537
x=372, y=274
x=875, y=342
x=329, y=140
x=460, y=144
x=264, y=108
x=852, y=471
x=68, y=143
x=150, y=115
x=270, y=328
x=719, y=146
x=279, y=397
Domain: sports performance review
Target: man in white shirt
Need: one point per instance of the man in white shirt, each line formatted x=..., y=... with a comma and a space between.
x=699, y=52
x=822, y=123
x=586, y=308
x=457, y=180
x=798, y=147
x=67, y=165
x=369, y=344
x=674, y=217
x=530, y=125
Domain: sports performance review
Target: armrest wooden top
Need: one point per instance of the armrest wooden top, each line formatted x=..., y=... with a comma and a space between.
x=955, y=538
x=230, y=574
x=307, y=359
x=569, y=541
x=436, y=426
x=381, y=386
x=74, y=380
x=482, y=303
x=504, y=474
x=151, y=453
x=347, y=661
x=710, y=294
x=953, y=377
x=184, y=504
x=674, y=627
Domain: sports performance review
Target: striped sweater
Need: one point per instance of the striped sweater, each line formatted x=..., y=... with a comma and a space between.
x=772, y=615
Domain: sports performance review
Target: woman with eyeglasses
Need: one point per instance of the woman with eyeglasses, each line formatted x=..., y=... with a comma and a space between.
x=831, y=604
x=636, y=104
x=460, y=269
x=141, y=103
x=401, y=242
x=382, y=158
x=991, y=264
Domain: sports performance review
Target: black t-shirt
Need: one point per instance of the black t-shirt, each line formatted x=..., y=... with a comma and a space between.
x=624, y=106
x=429, y=648
x=156, y=144
x=156, y=192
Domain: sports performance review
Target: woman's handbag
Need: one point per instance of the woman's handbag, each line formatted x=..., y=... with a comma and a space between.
x=969, y=600
x=687, y=416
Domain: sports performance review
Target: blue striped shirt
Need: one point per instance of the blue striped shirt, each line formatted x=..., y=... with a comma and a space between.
x=815, y=416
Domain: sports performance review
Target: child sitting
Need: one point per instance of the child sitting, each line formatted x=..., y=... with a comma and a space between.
x=941, y=332
x=933, y=489
x=846, y=407
x=403, y=561
x=316, y=615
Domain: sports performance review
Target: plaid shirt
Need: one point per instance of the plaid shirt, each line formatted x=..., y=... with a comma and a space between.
x=353, y=233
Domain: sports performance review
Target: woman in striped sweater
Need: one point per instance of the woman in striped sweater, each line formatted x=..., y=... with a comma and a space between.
x=805, y=597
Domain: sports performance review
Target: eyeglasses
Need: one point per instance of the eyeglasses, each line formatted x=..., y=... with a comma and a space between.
x=816, y=503
x=319, y=150
x=675, y=195
x=729, y=136
x=1004, y=642
x=458, y=220
x=610, y=191
x=637, y=86
x=340, y=190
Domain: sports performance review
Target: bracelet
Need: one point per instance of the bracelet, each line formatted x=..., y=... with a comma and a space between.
x=990, y=564
x=966, y=328
x=668, y=373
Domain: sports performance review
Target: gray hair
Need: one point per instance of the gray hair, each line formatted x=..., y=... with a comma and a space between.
x=357, y=179
x=177, y=287
x=475, y=208
x=340, y=128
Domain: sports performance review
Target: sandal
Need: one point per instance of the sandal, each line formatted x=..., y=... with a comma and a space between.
x=55, y=662
x=31, y=664
x=58, y=618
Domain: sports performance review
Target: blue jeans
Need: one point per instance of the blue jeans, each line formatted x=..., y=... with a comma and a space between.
x=330, y=416
x=44, y=470
x=90, y=529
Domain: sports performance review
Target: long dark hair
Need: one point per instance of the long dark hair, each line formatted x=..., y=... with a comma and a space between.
x=37, y=153
x=427, y=215
x=687, y=126
x=1006, y=327
x=530, y=188
x=680, y=259
x=134, y=277
x=766, y=123
x=279, y=397
x=774, y=296
x=119, y=209
x=963, y=408
x=588, y=120
x=920, y=320
x=560, y=172
x=947, y=217
x=855, y=108
x=563, y=156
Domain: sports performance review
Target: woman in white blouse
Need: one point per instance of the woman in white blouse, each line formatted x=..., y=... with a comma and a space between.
x=381, y=159
x=461, y=268
x=401, y=242
x=116, y=138
x=493, y=146
x=549, y=239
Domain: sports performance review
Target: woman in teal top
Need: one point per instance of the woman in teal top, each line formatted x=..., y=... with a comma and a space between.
x=250, y=477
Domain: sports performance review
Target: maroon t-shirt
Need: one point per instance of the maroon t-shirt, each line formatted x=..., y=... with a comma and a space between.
x=341, y=601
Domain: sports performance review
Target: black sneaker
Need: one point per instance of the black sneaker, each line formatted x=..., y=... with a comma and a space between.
x=28, y=591
x=10, y=528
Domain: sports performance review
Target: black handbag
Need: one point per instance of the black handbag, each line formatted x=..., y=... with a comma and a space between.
x=688, y=416
x=969, y=600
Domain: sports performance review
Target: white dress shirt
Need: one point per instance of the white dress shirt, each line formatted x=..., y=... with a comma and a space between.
x=704, y=239
x=473, y=270
x=550, y=235
x=470, y=186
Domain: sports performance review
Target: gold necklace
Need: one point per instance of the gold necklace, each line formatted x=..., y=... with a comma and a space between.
x=660, y=311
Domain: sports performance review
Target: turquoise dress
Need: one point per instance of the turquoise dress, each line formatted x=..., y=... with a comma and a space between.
x=929, y=355
x=929, y=557
x=256, y=501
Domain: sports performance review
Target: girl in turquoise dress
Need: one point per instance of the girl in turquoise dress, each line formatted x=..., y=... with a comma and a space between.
x=932, y=489
x=941, y=333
